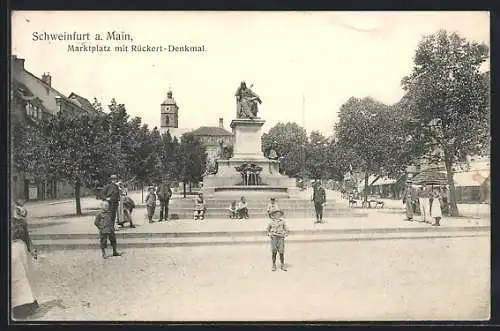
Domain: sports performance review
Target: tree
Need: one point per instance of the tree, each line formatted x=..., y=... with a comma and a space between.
x=193, y=159
x=361, y=134
x=290, y=142
x=97, y=106
x=169, y=157
x=317, y=164
x=79, y=149
x=449, y=98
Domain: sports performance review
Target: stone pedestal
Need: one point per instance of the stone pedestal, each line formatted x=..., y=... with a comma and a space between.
x=247, y=150
x=247, y=139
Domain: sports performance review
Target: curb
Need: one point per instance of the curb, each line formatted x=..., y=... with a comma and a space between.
x=93, y=243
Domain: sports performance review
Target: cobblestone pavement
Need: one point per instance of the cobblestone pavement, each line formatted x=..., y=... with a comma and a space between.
x=384, y=280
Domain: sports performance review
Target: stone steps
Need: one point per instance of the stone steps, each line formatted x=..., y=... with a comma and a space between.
x=253, y=239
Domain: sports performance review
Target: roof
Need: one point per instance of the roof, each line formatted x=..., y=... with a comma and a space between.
x=211, y=131
x=26, y=94
x=81, y=102
x=48, y=100
x=470, y=178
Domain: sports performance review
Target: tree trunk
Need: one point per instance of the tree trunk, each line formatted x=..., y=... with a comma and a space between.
x=451, y=183
x=77, y=198
x=184, y=188
x=142, y=192
x=365, y=198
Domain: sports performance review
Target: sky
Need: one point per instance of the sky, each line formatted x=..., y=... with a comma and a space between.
x=303, y=65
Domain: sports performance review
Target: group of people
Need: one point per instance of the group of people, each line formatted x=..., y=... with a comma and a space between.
x=163, y=193
x=430, y=201
x=239, y=210
x=120, y=205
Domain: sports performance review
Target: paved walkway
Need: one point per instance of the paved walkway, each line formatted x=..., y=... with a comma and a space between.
x=422, y=279
x=374, y=220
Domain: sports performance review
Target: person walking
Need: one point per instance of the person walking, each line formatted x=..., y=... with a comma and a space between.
x=409, y=198
x=319, y=199
x=112, y=194
x=164, y=193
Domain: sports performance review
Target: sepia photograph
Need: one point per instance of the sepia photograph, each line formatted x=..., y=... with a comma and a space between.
x=253, y=166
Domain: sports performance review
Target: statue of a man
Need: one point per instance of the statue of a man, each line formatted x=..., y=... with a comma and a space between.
x=246, y=102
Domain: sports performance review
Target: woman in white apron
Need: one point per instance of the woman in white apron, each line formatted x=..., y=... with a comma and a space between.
x=24, y=292
x=436, y=211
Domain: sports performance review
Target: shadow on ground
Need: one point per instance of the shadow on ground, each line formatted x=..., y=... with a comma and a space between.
x=43, y=309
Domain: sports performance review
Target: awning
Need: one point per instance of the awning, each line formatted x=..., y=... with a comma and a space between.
x=384, y=181
x=470, y=178
x=430, y=177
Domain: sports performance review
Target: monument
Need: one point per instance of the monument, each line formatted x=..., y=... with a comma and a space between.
x=248, y=172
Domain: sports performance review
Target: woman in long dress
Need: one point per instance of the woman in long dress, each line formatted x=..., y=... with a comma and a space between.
x=436, y=210
x=24, y=292
x=125, y=207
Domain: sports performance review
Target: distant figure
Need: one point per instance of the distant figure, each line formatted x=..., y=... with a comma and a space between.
x=273, y=155
x=20, y=211
x=243, y=208
x=409, y=198
x=151, y=203
x=272, y=206
x=319, y=199
x=111, y=193
x=233, y=210
x=277, y=230
x=436, y=211
x=164, y=194
x=445, y=199
x=423, y=198
x=200, y=207
x=106, y=229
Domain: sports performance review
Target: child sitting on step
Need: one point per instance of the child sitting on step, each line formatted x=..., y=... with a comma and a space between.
x=199, y=207
x=233, y=211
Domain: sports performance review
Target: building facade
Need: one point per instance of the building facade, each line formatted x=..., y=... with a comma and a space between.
x=214, y=138
x=32, y=100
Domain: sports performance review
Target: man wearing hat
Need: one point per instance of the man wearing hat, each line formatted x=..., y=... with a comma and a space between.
x=409, y=199
x=111, y=193
x=277, y=230
x=319, y=199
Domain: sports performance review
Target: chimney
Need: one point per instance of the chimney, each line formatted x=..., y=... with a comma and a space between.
x=221, y=123
x=46, y=78
x=17, y=64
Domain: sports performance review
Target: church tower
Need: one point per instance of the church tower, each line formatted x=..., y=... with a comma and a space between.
x=169, y=113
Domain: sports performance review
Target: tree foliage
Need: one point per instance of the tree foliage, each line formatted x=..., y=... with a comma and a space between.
x=449, y=98
x=290, y=142
x=192, y=157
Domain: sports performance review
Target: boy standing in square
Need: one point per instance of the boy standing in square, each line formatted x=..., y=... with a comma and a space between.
x=106, y=228
x=277, y=231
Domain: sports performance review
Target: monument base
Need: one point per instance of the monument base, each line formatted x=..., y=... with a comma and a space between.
x=228, y=181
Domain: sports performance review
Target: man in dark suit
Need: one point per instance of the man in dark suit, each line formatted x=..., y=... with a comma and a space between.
x=111, y=193
x=319, y=199
x=164, y=194
x=409, y=199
